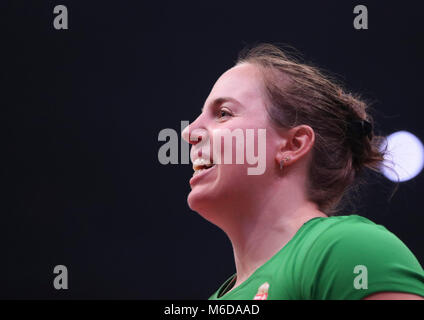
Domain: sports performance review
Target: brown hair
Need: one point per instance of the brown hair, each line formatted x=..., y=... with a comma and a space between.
x=303, y=94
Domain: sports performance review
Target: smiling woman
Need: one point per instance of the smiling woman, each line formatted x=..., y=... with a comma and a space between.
x=287, y=240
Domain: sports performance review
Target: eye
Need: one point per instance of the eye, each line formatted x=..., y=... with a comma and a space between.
x=222, y=113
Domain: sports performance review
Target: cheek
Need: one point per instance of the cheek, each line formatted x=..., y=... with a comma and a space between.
x=252, y=159
x=232, y=181
x=235, y=183
x=231, y=175
x=224, y=186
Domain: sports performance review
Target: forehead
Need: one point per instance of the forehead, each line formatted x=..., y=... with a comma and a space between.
x=242, y=82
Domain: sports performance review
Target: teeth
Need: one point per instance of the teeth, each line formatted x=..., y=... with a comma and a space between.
x=196, y=172
x=200, y=162
x=199, y=171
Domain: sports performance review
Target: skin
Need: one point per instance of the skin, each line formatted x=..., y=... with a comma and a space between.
x=259, y=213
x=393, y=296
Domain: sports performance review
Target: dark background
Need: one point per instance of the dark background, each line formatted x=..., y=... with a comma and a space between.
x=82, y=109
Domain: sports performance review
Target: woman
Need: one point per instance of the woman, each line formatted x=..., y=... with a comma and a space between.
x=286, y=239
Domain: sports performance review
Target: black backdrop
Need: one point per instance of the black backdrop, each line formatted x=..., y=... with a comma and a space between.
x=82, y=109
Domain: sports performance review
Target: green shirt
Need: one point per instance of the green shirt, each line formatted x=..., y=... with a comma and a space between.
x=340, y=257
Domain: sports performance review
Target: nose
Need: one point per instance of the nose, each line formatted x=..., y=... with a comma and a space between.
x=194, y=132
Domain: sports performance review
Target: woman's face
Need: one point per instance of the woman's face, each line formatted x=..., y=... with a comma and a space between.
x=237, y=103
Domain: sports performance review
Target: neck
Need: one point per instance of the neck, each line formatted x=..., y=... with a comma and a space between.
x=261, y=229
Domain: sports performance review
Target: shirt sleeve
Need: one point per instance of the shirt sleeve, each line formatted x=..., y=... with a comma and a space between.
x=351, y=262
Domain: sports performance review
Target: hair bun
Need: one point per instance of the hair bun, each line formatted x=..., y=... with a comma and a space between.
x=359, y=129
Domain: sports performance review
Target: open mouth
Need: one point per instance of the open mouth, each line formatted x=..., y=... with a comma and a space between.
x=200, y=165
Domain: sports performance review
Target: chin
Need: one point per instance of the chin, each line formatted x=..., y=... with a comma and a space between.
x=218, y=193
x=205, y=204
x=199, y=201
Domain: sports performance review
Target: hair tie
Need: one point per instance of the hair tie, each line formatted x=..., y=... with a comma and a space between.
x=360, y=128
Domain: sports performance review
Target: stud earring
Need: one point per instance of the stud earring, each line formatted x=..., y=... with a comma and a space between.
x=282, y=162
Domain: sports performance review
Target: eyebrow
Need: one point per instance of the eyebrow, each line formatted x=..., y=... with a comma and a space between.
x=219, y=101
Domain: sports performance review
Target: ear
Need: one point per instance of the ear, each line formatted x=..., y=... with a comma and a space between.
x=297, y=142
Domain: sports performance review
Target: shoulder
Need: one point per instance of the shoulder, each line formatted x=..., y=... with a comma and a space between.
x=355, y=232
x=358, y=239
x=346, y=247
